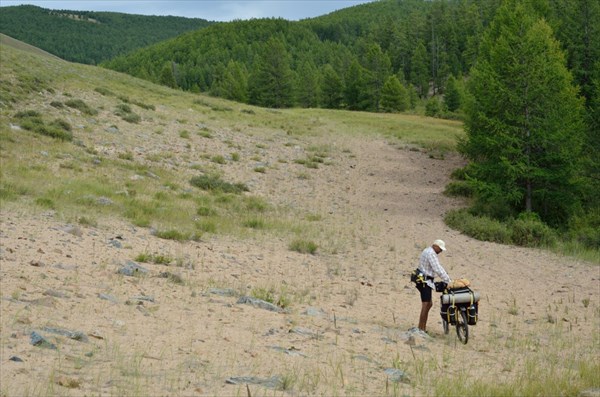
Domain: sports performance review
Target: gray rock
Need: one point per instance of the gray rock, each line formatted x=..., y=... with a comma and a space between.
x=39, y=341
x=108, y=297
x=16, y=359
x=75, y=335
x=260, y=304
x=314, y=312
x=292, y=351
x=306, y=332
x=132, y=269
x=56, y=294
x=104, y=201
x=222, y=291
x=274, y=382
x=115, y=243
x=595, y=392
x=74, y=230
x=396, y=375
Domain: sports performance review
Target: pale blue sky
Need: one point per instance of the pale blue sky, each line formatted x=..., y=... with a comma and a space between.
x=212, y=10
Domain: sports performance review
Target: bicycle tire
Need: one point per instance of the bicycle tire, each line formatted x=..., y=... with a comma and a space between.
x=446, y=327
x=462, y=327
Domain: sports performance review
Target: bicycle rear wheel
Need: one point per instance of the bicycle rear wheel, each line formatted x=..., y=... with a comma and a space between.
x=462, y=327
x=446, y=326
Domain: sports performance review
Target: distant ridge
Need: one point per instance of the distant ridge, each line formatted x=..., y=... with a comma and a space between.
x=90, y=37
x=11, y=42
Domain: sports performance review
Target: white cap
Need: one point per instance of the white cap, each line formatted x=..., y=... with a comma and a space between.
x=441, y=244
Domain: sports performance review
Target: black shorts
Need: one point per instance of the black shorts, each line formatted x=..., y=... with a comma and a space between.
x=425, y=291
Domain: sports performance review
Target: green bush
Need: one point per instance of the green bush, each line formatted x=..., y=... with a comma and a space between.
x=81, y=106
x=529, y=231
x=479, y=227
x=214, y=183
x=459, y=189
x=104, y=91
x=433, y=107
x=303, y=246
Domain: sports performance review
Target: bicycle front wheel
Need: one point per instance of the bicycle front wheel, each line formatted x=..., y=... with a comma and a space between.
x=462, y=327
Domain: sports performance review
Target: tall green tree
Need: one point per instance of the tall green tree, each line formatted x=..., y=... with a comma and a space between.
x=452, y=96
x=419, y=70
x=355, y=91
x=234, y=82
x=332, y=88
x=378, y=64
x=524, y=119
x=271, y=84
x=308, y=85
x=394, y=96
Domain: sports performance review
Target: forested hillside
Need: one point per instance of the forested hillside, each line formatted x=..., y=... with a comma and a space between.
x=90, y=37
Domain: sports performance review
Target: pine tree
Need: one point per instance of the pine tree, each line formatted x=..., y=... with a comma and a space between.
x=394, y=97
x=331, y=88
x=524, y=119
x=272, y=79
x=452, y=96
x=419, y=70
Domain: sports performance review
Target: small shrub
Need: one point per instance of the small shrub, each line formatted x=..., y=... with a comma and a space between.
x=261, y=170
x=45, y=202
x=459, y=189
x=185, y=134
x=214, y=183
x=303, y=246
x=132, y=118
x=529, y=231
x=57, y=104
x=206, y=226
x=81, y=106
x=104, y=91
x=27, y=113
x=206, y=211
x=479, y=227
x=254, y=223
x=219, y=159
x=173, y=234
x=235, y=156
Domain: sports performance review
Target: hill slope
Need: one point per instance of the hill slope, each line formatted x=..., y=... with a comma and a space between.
x=90, y=37
x=76, y=212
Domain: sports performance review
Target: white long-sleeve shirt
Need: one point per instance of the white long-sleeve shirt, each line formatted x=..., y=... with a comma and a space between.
x=430, y=266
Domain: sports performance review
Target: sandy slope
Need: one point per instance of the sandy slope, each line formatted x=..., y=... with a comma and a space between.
x=382, y=204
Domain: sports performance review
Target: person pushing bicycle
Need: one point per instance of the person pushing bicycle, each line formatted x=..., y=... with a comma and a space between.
x=429, y=267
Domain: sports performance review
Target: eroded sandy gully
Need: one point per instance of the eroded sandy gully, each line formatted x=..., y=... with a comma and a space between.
x=382, y=204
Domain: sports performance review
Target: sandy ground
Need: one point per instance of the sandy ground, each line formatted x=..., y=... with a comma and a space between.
x=352, y=305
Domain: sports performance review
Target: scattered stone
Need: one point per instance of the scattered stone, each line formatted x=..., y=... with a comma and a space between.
x=96, y=334
x=132, y=269
x=74, y=230
x=362, y=357
x=595, y=392
x=143, y=310
x=396, y=375
x=104, y=201
x=112, y=129
x=143, y=298
x=16, y=359
x=292, y=351
x=115, y=243
x=260, y=304
x=314, y=312
x=46, y=302
x=222, y=291
x=56, y=294
x=108, y=297
x=273, y=382
x=37, y=263
x=175, y=278
x=416, y=332
x=306, y=332
x=39, y=341
x=75, y=335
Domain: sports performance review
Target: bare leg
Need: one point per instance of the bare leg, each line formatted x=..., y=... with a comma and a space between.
x=425, y=307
